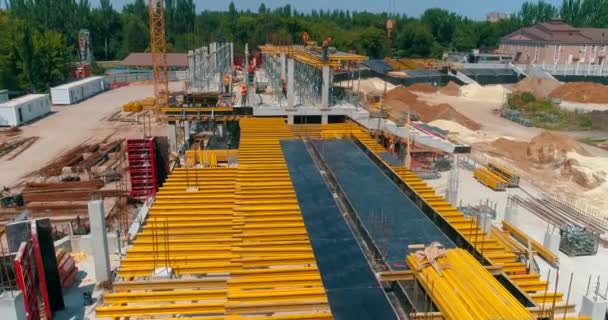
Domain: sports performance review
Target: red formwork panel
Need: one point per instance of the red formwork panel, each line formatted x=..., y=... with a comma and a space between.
x=142, y=167
x=41, y=276
x=26, y=281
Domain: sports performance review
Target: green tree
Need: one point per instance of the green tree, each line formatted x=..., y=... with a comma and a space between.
x=372, y=41
x=465, y=38
x=135, y=35
x=51, y=60
x=535, y=12
x=416, y=41
x=441, y=23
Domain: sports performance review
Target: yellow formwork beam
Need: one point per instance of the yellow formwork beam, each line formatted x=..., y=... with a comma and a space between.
x=164, y=296
x=207, y=283
x=211, y=308
x=465, y=290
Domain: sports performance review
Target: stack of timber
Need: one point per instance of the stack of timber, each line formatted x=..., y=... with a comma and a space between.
x=67, y=268
x=60, y=191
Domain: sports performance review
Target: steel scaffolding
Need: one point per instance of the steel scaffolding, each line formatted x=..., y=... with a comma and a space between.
x=207, y=66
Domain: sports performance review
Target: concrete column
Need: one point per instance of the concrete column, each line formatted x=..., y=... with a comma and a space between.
x=324, y=117
x=290, y=84
x=99, y=241
x=172, y=136
x=12, y=306
x=191, y=67
x=283, y=65
x=231, y=54
x=596, y=309
x=290, y=117
x=552, y=240
x=325, y=88
x=186, y=130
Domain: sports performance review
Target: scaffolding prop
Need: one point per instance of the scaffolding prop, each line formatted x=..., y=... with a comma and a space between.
x=207, y=66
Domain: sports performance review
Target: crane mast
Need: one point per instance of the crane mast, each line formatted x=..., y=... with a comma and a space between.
x=158, y=48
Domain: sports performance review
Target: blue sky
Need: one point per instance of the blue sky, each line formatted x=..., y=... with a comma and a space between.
x=475, y=9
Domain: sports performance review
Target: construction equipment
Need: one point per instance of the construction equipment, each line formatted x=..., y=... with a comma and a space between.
x=490, y=179
x=511, y=178
x=158, y=47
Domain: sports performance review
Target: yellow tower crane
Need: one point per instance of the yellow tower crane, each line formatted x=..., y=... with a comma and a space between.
x=158, y=47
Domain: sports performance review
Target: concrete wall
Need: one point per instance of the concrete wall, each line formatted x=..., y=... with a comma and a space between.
x=83, y=244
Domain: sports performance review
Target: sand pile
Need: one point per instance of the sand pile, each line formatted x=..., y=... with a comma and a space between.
x=584, y=172
x=400, y=93
x=539, y=87
x=493, y=93
x=586, y=92
x=422, y=87
x=402, y=100
x=371, y=86
x=451, y=89
x=551, y=151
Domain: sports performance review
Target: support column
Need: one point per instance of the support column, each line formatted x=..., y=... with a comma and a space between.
x=283, y=65
x=551, y=240
x=325, y=95
x=594, y=306
x=231, y=55
x=99, y=240
x=186, y=130
x=290, y=85
x=191, y=67
x=172, y=136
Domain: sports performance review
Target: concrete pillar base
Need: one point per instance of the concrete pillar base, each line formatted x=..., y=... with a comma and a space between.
x=12, y=306
x=99, y=241
x=594, y=309
x=551, y=241
x=172, y=136
x=290, y=118
x=511, y=215
x=186, y=130
x=324, y=117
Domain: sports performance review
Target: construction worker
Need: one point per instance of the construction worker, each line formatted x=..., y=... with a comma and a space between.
x=305, y=38
x=325, y=48
x=227, y=83
x=284, y=87
x=244, y=95
x=251, y=70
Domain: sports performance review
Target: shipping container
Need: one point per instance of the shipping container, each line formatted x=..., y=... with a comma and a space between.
x=73, y=92
x=24, y=109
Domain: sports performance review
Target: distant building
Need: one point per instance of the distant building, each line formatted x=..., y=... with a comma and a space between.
x=496, y=16
x=175, y=61
x=556, y=42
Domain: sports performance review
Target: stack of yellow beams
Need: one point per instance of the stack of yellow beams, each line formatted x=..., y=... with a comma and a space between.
x=465, y=290
x=237, y=237
x=279, y=269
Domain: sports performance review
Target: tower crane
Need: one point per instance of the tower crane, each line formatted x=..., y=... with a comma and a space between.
x=158, y=48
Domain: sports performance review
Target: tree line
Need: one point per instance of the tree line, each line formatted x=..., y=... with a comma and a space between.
x=39, y=42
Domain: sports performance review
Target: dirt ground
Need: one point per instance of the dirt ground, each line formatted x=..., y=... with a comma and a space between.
x=68, y=126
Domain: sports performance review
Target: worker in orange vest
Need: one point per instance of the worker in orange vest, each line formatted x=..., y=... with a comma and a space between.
x=244, y=95
x=227, y=83
x=325, y=48
x=305, y=38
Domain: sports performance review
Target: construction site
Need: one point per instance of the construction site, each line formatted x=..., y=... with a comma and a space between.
x=295, y=181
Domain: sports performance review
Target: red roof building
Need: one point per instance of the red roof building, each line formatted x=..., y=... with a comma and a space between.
x=556, y=42
x=140, y=60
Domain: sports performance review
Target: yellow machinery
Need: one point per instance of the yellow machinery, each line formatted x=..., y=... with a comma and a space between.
x=511, y=178
x=463, y=289
x=490, y=179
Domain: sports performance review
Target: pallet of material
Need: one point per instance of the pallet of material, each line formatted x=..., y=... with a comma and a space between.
x=490, y=179
x=511, y=178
